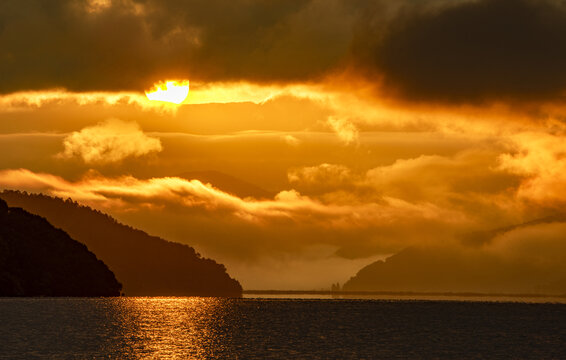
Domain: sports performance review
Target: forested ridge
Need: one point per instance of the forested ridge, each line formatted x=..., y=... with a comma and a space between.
x=37, y=259
x=146, y=265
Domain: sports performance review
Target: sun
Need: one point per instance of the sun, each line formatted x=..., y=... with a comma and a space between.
x=172, y=91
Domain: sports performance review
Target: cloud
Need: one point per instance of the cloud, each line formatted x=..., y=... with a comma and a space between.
x=129, y=45
x=438, y=51
x=35, y=100
x=320, y=174
x=540, y=159
x=110, y=141
x=471, y=184
x=359, y=214
x=429, y=50
x=291, y=140
x=321, y=179
x=444, y=180
x=541, y=243
x=289, y=205
x=440, y=178
x=346, y=131
x=213, y=219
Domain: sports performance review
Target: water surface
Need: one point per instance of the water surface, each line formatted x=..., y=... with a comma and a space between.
x=214, y=328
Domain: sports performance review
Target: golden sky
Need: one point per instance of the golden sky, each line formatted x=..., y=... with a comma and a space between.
x=332, y=132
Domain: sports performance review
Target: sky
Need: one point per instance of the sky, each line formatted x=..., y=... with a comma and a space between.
x=333, y=133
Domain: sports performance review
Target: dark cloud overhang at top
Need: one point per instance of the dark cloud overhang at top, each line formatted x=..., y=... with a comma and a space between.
x=131, y=44
x=447, y=51
x=473, y=51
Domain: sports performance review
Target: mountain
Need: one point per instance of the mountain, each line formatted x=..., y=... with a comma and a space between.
x=229, y=184
x=36, y=259
x=457, y=270
x=145, y=265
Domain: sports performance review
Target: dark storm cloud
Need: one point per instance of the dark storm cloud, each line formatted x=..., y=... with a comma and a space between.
x=472, y=51
x=131, y=44
x=425, y=50
x=58, y=44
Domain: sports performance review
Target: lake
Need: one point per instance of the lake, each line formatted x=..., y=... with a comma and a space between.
x=252, y=328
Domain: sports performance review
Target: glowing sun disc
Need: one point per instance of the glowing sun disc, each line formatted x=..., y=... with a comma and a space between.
x=170, y=91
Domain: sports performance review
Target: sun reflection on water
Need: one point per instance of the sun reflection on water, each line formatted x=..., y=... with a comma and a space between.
x=169, y=328
x=257, y=329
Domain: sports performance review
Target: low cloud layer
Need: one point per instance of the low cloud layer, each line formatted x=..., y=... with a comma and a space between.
x=349, y=219
x=218, y=221
x=358, y=212
x=127, y=192
x=337, y=213
x=108, y=142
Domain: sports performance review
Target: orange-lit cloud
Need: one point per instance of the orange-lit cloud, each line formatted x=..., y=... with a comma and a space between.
x=470, y=183
x=289, y=205
x=95, y=6
x=541, y=159
x=438, y=177
x=540, y=243
x=171, y=91
x=200, y=93
x=34, y=100
x=215, y=221
x=110, y=141
x=320, y=178
x=319, y=174
x=346, y=131
x=349, y=113
x=240, y=91
x=291, y=140
x=354, y=214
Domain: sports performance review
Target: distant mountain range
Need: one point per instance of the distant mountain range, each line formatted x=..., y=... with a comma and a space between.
x=145, y=265
x=458, y=270
x=36, y=259
x=468, y=268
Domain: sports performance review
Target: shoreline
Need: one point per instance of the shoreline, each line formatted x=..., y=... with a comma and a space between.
x=400, y=293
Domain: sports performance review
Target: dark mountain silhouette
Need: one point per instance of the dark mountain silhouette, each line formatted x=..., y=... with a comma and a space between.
x=229, y=184
x=36, y=259
x=145, y=265
x=457, y=270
